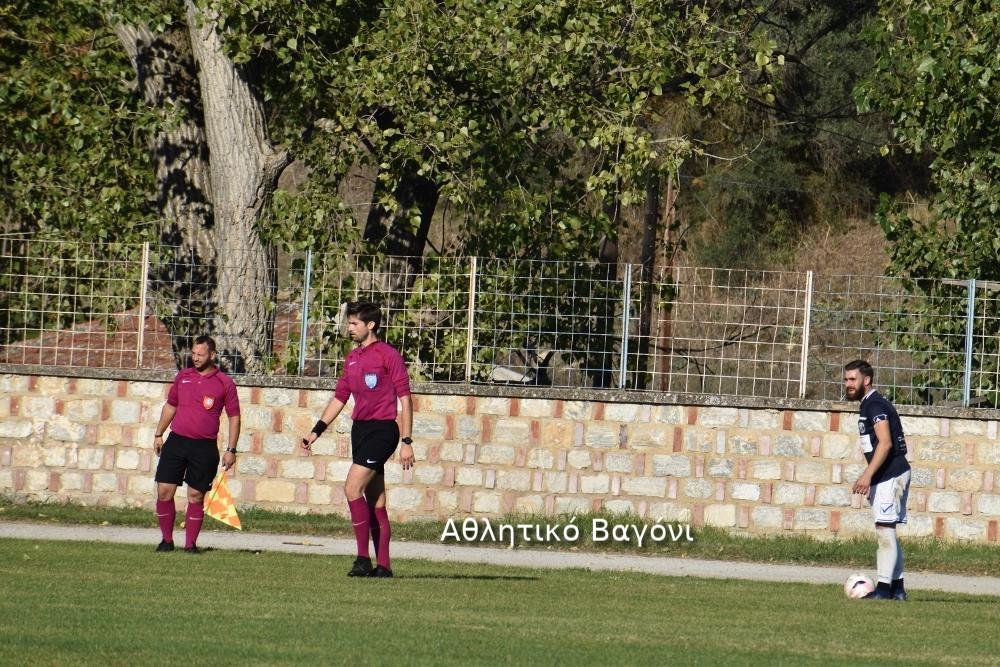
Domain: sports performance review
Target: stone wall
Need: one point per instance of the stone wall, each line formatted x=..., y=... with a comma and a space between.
x=749, y=466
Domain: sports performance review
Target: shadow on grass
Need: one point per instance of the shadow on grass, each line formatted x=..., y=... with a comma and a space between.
x=477, y=577
x=920, y=598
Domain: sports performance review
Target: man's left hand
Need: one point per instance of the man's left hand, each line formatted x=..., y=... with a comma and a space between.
x=406, y=456
x=228, y=460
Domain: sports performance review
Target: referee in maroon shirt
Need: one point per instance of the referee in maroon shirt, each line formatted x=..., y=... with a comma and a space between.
x=375, y=374
x=190, y=454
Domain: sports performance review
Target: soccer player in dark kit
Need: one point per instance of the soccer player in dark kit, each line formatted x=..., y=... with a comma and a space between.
x=375, y=375
x=191, y=453
x=886, y=479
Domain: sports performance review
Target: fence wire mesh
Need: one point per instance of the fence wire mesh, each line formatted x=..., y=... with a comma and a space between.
x=733, y=332
x=564, y=324
x=69, y=304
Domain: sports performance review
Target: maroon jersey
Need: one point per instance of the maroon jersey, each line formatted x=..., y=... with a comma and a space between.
x=376, y=377
x=199, y=400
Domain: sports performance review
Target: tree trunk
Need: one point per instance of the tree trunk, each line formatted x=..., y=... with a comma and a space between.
x=650, y=229
x=402, y=244
x=244, y=169
x=662, y=347
x=405, y=245
x=184, y=282
x=605, y=307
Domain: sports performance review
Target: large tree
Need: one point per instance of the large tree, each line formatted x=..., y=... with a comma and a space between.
x=214, y=166
x=536, y=122
x=216, y=169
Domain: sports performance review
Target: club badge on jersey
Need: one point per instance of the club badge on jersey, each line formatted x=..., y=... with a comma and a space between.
x=207, y=402
x=371, y=380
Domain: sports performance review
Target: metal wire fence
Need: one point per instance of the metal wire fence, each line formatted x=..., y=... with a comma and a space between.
x=504, y=321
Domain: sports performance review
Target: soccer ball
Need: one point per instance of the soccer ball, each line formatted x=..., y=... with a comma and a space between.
x=858, y=586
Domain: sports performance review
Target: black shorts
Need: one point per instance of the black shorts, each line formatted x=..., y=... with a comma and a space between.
x=187, y=460
x=373, y=442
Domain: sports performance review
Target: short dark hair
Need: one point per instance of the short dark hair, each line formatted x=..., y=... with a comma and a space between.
x=366, y=312
x=862, y=367
x=205, y=340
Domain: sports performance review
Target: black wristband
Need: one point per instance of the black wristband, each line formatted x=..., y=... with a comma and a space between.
x=319, y=427
x=231, y=450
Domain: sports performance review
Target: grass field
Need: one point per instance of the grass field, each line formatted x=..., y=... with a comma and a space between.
x=713, y=543
x=94, y=603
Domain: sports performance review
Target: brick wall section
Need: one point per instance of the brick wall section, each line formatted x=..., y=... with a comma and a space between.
x=755, y=469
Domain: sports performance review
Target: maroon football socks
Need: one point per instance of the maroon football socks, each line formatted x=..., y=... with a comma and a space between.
x=193, y=519
x=361, y=522
x=166, y=512
x=383, y=533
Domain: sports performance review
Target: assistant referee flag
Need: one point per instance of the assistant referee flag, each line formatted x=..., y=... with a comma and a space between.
x=219, y=504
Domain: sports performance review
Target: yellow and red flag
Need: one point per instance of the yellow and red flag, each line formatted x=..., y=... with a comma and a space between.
x=219, y=504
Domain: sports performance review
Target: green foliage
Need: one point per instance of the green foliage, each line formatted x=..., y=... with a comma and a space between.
x=526, y=118
x=72, y=155
x=50, y=285
x=530, y=121
x=72, y=166
x=934, y=77
x=541, y=318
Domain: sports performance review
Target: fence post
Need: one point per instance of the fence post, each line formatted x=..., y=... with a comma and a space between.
x=471, y=317
x=806, y=323
x=143, y=281
x=626, y=312
x=970, y=322
x=303, y=331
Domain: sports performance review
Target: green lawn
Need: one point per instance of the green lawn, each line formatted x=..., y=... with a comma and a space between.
x=713, y=543
x=95, y=603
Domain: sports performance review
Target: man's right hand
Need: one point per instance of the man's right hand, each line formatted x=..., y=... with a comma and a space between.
x=308, y=441
x=157, y=444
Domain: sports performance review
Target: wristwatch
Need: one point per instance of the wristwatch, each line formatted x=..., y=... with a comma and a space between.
x=231, y=450
x=407, y=440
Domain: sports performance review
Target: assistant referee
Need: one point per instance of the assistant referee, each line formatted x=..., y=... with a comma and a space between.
x=191, y=453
